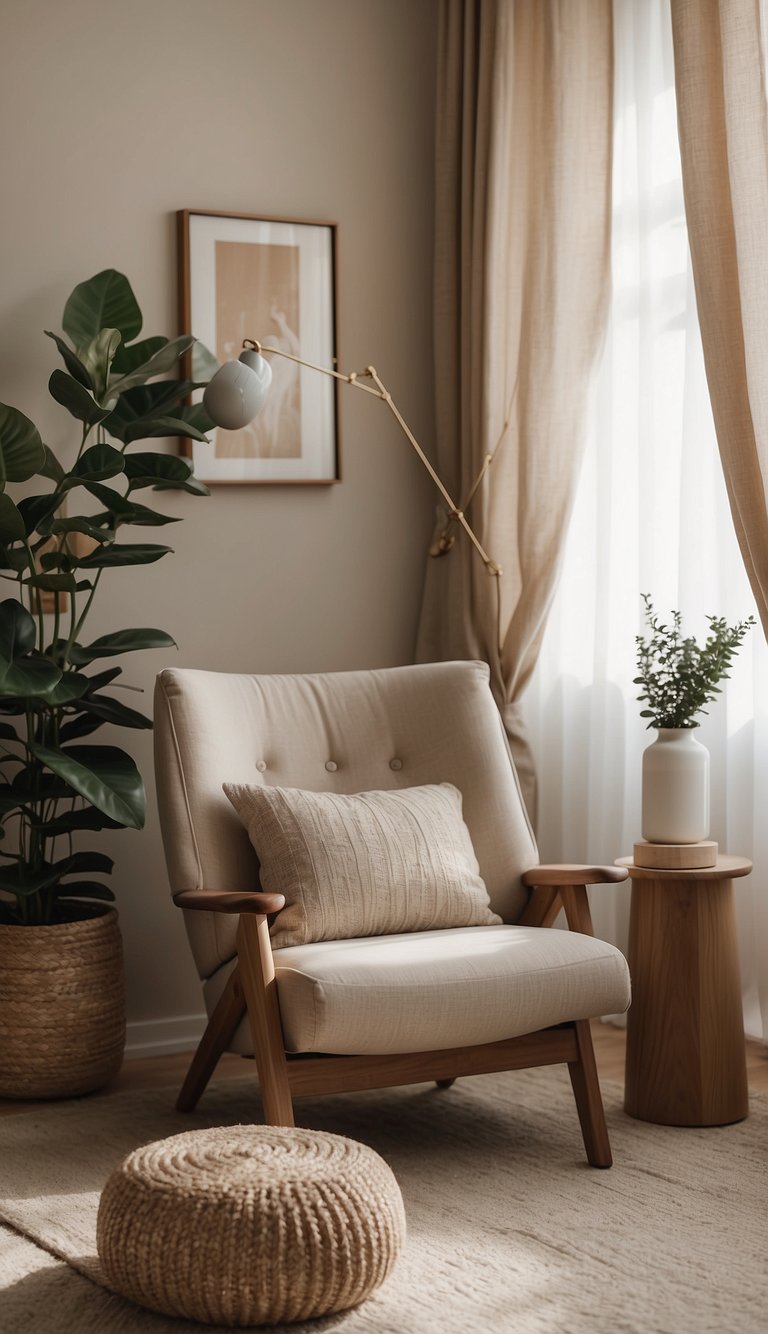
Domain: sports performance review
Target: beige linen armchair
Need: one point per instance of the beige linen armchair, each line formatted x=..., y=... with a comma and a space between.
x=353, y=1014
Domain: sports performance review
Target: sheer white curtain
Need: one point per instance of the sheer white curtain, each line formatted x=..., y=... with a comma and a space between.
x=651, y=516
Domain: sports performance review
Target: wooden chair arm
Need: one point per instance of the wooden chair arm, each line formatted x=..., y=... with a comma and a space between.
x=218, y=900
x=573, y=875
x=553, y=887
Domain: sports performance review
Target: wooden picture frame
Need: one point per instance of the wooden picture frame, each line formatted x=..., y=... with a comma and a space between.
x=271, y=279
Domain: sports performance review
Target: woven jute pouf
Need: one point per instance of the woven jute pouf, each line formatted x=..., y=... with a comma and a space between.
x=249, y=1225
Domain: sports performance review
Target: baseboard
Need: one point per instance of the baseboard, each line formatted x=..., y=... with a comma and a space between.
x=163, y=1037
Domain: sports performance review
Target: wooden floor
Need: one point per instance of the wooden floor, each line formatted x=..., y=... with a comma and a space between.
x=610, y=1044
x=156, y=1071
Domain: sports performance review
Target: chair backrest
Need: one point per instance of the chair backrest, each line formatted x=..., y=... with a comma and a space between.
x=339, y=732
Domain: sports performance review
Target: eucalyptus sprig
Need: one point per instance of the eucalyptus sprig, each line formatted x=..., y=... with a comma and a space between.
x=678, y=675
x=55, y=688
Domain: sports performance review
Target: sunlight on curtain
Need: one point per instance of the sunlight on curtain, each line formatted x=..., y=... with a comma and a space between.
x=651, y=515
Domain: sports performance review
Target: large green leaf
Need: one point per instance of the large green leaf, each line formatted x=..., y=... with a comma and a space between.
x=63, y=582
x=116, y=505
x=83, y=861
x=120, y=511
x=38, y=511
x=127, y=553
x=154, y=399
x=21, y=881
x=28, y=677
x=105, y=301
x=194, y=487
x=98, y=355
x=129, y=359
x=75, y=398
x=12, y=526
x=139, y=515
x=121, y=641
x=163, y=361
x=85, y=526
x=97, y=463
x=105, y=678
x=57, y=560
x=194, y=414
x=166, y=472
x=146, y=402
x=204, y=364
x=54, y=583
x=72, y=362
x=31, y=786
x=131, y=511
x=155, y=467
x=80, y=725
x=146, y=429
x=21, y=449
x=72, y=686
x=18, y=633
x=71, y=822
x=13, y=558
x=112, y=711
x=104, y=775
x=83, y=889
x=51, y=467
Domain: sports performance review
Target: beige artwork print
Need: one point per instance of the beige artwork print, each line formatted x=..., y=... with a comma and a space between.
x=257, y=296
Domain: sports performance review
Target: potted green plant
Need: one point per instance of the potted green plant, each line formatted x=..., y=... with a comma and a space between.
x=62, y=1020
x=679, y=677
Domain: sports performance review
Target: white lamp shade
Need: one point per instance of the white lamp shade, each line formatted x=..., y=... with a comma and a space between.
x=237, y=391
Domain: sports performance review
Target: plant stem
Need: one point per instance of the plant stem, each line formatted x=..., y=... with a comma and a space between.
x=86, y=433
x=35, y=600
x=87, y=606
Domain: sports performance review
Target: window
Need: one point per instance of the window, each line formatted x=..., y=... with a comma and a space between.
x=651, y=515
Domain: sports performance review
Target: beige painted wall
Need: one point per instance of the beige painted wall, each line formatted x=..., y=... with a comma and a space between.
x=112, y=116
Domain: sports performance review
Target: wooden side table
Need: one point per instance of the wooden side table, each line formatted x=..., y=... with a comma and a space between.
x=686, y=1060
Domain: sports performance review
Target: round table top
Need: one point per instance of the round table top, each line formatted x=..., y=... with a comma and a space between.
x=727, y=868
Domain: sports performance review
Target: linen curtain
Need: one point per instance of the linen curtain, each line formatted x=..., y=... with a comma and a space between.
x=723, y=124
x=522, y=275
x=651, y=515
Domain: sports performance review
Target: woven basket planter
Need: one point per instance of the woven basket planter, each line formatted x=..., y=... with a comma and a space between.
x=62, y=1007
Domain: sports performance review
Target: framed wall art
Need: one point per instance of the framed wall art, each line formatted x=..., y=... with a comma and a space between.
x=274, y=280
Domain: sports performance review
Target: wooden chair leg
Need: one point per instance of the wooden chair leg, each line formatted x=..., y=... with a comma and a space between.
x=229, y=1010
x=444, y=1083
x=589, y=1102
x=577, y=911
x=542, y=907
x=257, y=974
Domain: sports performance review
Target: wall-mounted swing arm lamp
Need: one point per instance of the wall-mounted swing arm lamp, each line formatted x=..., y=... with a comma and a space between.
x=237, y=393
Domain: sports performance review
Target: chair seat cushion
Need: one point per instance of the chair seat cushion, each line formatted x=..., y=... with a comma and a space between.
x=430, y=990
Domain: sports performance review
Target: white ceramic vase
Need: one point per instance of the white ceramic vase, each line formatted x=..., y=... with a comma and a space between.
x=675, y=788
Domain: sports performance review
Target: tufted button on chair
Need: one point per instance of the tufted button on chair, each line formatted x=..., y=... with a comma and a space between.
x=340, y=1015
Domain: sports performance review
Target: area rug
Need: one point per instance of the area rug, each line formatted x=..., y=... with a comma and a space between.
x=508, y=1228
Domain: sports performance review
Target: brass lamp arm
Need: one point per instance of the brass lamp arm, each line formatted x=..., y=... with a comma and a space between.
x=380, y=390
